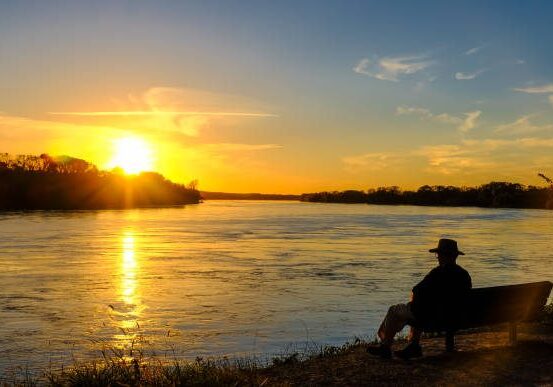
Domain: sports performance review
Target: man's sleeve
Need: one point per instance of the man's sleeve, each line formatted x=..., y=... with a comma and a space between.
x=469, y=281
x=426, y=283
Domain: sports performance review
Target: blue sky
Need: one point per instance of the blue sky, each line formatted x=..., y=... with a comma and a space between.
x=335, y=94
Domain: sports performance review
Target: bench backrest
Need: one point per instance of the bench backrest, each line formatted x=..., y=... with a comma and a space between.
x=499, y=304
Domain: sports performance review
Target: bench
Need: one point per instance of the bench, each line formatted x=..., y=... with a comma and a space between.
x=510, y=304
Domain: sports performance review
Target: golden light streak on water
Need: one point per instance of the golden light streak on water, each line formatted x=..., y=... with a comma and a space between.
x=129, y=285
x=128, y=269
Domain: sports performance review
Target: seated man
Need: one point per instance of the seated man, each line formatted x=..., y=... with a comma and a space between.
x=437, y=297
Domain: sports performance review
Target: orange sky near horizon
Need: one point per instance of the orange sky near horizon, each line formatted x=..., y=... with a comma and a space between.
x=163, y=132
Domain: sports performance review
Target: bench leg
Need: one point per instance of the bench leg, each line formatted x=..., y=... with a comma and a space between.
x=512, y=333
x=450, y=341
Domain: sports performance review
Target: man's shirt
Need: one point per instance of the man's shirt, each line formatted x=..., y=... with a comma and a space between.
x=441, y=292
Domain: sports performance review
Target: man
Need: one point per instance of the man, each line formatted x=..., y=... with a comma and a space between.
x=437, y=297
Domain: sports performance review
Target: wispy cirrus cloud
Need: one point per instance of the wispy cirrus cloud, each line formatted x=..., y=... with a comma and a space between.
x=464, y=124
x=471, y=157
x=468, y=76
x=468, y=158
x=448, y=159
x=237, y=147
x=172, y=109
x=428, y=115
x=162, y=113
x=17, y=130
x=543, y=89
x=372, y=161
x=418, y=111
x=470, y=121
x=474, y=50
x=392, y=68
x=522, y=125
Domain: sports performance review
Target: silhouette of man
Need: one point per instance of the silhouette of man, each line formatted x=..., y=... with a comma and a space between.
x=437, y=297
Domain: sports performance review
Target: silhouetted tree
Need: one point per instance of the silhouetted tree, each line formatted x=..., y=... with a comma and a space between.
x=549, y=203
x=45, y=182
x=494, y=194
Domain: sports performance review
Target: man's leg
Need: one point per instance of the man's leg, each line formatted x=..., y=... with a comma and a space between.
x=397, y=317
x=413, y=349
x=415, y=335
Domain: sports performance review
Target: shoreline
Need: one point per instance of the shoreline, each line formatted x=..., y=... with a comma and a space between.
x=483, y=357
x=245, y=200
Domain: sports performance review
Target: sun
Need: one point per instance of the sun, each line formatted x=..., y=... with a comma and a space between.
x=132, y=154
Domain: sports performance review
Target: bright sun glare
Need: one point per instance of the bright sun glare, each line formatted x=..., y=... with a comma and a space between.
x=133, y=155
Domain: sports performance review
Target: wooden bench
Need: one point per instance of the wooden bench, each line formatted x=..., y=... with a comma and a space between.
x=510, y=304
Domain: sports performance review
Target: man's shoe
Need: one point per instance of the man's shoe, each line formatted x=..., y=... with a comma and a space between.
x=410, y=351
x=382, y=351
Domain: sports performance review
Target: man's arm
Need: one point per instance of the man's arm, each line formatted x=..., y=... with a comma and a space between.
x=469, y=281
x=427, y=282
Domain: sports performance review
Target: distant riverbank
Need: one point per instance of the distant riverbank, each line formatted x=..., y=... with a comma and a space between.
x=491, y=195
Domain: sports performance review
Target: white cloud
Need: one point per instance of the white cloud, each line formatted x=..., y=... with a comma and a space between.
x=392, y=68
x=162, y=113
x=450, y=159
x=362, y=67
x=487, y=158
x=521, y=143
x=234, y=147
x=504, y=157
x=406, y=110
x=464, y=124
x=474, y=50
x=447, y=119
x=467, y=76
x=470, y=121
x=369, y=161
x=522, y=126
x=544, y=89
x=184, y=111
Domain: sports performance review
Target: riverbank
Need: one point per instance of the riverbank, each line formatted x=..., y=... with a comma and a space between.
x=65, y=183
x=491, y=195
x=482, y=358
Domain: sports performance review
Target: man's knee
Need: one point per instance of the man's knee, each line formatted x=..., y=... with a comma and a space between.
x=396, y=309
x=400, y=312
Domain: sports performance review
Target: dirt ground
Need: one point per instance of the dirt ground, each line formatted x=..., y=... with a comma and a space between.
x=483, y=358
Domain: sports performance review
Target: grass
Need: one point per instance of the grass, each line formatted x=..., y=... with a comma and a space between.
x=132, y=367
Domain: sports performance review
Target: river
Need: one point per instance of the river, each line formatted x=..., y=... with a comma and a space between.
x=237, y=278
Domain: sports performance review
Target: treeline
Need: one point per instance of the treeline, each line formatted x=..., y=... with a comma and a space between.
x=45, y=182
x=494, y=194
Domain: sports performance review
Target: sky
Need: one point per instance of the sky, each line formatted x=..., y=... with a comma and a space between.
x=285, y=96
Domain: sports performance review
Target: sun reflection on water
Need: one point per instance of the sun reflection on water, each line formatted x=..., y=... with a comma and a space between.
x=129, y=285
x=128, y=269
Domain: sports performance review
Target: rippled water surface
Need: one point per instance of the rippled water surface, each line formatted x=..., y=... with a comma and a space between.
x=235, y=277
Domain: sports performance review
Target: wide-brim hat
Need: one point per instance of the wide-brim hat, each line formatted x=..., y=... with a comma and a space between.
x=447, y=246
